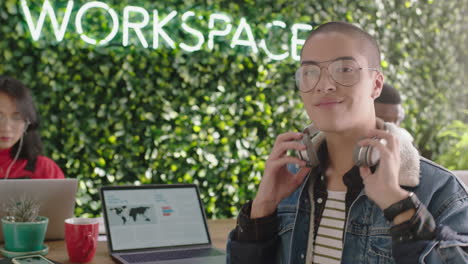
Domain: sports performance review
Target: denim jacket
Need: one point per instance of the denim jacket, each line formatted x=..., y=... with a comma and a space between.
x=366, y=235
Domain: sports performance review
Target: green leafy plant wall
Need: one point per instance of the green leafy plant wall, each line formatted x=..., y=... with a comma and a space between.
x=115, y=114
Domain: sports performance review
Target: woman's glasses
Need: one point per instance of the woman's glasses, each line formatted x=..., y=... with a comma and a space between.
x=16, y=121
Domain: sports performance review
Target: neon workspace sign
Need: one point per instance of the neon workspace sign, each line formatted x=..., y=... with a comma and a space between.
x=219, y=26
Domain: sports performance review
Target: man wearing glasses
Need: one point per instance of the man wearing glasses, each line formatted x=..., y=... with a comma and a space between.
x=404, y=209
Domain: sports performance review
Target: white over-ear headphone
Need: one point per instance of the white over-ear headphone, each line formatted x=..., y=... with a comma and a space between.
x=362, y=155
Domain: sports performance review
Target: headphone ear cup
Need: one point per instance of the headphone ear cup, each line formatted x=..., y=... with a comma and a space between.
x=357, y=156
x=309, y=155
x=365, y=156
x=303, y=154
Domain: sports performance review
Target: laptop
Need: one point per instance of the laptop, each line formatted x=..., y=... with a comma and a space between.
x=55, y=196
x=158, y=224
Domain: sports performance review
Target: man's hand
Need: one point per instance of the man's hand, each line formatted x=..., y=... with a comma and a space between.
x=383, y=186
x=277, y=182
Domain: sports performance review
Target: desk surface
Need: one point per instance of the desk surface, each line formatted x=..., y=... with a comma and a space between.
x=219, y=230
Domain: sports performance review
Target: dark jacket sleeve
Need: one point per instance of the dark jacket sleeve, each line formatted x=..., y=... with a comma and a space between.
x=253, y=240
x=409, y=252
x=422, y=239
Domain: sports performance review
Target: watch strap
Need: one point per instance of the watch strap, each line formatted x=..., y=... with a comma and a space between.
x=411, y=202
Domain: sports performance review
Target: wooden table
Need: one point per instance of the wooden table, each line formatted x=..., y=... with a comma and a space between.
x=219, y=230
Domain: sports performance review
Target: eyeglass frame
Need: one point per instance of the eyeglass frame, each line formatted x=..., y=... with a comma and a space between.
x=4, y=118
x=330, y=75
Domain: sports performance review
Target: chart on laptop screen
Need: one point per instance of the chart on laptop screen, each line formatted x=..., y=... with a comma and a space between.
x=148, y=218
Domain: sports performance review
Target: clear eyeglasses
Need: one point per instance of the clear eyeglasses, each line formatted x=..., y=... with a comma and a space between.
x=16, y=121
x=346, y=72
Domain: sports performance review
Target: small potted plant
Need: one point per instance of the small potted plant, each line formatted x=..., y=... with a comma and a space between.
x=23, y=229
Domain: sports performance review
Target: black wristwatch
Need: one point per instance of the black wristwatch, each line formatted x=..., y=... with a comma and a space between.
x=411, y=202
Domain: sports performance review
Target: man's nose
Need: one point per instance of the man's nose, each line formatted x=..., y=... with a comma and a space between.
x=325, y=84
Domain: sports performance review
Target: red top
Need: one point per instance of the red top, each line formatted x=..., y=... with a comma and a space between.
x=45, y=168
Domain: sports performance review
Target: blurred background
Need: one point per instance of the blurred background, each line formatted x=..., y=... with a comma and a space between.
x=169, y=107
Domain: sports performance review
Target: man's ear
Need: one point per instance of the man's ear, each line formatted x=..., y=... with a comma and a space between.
x=378, y=84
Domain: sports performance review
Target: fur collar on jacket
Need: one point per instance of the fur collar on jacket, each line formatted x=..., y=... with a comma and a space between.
x=409, y=156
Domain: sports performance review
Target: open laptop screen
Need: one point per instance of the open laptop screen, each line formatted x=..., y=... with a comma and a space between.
x=152, y=217
x=55, y=196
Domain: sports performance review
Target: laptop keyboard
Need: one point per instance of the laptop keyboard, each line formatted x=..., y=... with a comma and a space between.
x=169, y=255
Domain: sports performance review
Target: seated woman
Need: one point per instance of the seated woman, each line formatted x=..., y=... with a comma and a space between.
x=20, y=144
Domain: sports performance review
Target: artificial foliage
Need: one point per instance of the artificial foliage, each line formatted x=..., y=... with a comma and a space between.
x=114, y=114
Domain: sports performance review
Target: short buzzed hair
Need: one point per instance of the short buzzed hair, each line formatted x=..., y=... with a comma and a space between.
x=389, y=95
x=369, y=47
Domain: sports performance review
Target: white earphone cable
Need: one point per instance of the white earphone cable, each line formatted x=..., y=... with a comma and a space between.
x=15, y=159
x=17, y=152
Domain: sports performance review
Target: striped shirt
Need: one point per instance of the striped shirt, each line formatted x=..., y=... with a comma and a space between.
x=329, y=244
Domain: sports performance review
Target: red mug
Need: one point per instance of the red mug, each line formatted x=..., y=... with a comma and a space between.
x=81, y=235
